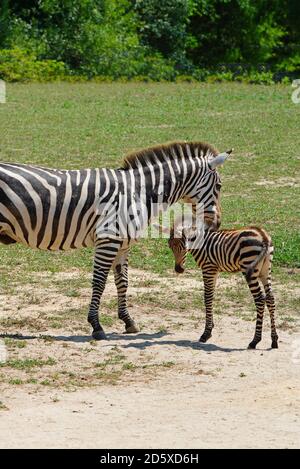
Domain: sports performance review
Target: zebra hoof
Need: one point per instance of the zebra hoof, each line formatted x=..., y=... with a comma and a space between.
x=274, y=344
x=204, y=338
x=99, y=335
x=252, y=345
x=132, y=329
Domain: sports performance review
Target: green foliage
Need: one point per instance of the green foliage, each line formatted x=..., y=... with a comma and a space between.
x=20, y=65
x=233, y=31
x=92, y=38
x=163, y=26
x=4, y=21
x=153, y=39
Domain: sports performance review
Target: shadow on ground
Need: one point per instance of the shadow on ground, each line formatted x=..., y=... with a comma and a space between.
x=138, y=341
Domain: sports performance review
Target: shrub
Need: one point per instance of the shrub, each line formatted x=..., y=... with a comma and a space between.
x=21, y=65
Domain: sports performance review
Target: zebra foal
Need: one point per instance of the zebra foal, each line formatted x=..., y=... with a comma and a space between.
x=248, y=250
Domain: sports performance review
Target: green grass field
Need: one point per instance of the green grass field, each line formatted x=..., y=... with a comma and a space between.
x=94, y=125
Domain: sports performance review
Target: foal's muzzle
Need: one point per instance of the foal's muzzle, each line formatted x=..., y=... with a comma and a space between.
x=179, y=269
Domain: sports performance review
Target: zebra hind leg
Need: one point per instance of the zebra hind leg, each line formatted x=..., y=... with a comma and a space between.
x=259, y=300
x=121, y=281
x=270, y=302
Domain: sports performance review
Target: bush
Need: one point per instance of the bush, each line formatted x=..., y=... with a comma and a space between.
x=21, y=65
x=163, y=24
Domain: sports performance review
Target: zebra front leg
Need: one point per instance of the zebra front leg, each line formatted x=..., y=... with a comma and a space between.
x=209, y=279
x=259, y=300
x=105, y=253
x=121, y=280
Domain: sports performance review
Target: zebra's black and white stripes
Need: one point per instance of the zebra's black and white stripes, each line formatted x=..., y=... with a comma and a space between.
x=248, y=250
x=106, y=208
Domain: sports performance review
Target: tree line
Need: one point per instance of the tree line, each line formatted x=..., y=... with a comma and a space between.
x=149, y=39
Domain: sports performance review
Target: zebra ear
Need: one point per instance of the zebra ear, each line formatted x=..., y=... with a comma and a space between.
x=161, y=228
x=219, y=159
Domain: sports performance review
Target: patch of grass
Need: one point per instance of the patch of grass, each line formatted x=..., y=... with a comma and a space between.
x=13, y=343
x=158, y=365
x=167, y=364
x=129, y=366
x=145, y=283
x=15, y=381
x=111, y=305
x=55, y=324
x=177, y=326
x=24, y=322
x=289, y=319
x=114, y=359
x=162, y=329
x=45, y=382
x=71, y=287
x=107, y=320
x=28, y=363
x=72, y=293
x=109, y=377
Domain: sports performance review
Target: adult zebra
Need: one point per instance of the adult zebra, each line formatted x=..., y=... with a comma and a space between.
x=106, y=208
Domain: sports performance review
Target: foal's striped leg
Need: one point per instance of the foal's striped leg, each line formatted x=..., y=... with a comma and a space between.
x=121, y=280
x=270, y=301
x=259, y=300
x=209, y=278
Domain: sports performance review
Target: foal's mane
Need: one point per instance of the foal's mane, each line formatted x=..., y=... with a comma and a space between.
x=156, y=153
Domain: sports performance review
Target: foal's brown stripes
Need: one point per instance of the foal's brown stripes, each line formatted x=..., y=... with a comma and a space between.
x=248, y=250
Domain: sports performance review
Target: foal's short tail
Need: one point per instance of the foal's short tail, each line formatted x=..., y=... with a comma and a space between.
x=261, y=255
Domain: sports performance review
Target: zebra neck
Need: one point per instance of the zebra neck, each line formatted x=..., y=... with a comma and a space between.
x=165, y=182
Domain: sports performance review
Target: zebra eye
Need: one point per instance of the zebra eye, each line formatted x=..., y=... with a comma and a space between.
x=218, y=186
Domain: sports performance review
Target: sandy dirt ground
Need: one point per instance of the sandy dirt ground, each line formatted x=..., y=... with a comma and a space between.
x=156, y=389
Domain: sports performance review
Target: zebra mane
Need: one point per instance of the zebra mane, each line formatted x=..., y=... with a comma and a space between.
x=157, y=153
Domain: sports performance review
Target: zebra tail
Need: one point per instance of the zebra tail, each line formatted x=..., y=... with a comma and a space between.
x=262, y=254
